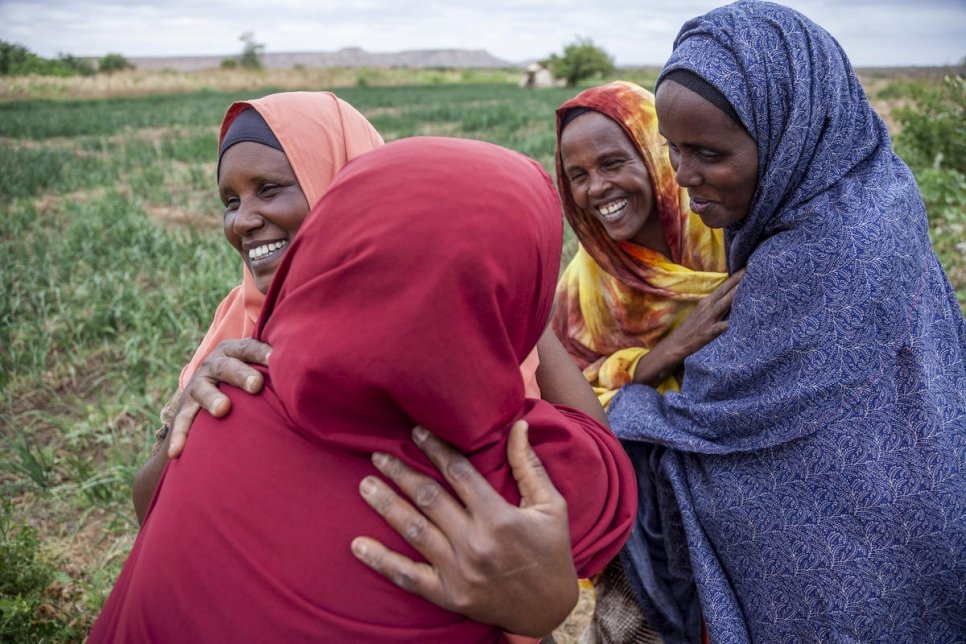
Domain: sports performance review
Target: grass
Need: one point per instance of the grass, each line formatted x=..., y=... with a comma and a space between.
x=111, y=264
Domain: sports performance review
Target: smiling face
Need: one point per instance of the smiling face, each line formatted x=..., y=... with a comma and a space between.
x=608, y=179
x=712, y=156
x=264, y=206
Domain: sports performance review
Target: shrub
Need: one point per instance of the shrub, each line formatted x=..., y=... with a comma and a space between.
x=581, y=59
x=933, y=142
x=24, y=581
x=113, y=63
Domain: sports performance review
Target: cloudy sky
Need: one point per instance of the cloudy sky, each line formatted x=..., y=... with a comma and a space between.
x=873, y=32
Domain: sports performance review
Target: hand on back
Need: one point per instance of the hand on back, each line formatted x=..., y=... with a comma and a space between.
x=229, y=363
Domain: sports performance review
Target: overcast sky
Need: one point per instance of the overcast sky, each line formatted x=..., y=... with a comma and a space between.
x=873, y=32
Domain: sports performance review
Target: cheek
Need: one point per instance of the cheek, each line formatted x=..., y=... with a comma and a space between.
x=228, y=227
x=579, y=195
x=293, y=215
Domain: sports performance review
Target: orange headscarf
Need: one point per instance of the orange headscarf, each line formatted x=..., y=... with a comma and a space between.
x=319, y=133
x=616, y=300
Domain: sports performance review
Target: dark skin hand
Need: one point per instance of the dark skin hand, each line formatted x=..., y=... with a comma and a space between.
x=705, y=323
x=486, y=559
x=226, y=363
x=491, y=561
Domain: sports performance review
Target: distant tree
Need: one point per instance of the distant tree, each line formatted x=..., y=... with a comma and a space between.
x=581, y=59
x=113, y=63
x=229, y=63
x=251, y=53
x=74, y=66
x=13, y=57
x=17, y=60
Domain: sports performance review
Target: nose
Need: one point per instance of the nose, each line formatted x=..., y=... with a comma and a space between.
x=685, y=173
x=247, y=218
x=598, y=185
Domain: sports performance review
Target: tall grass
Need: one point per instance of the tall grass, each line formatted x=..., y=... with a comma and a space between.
x=111, y=265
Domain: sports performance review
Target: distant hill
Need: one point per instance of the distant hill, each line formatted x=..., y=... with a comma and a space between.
x=347, y=57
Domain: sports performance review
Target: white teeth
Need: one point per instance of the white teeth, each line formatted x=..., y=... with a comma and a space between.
x=255, y=253
x=611, y=208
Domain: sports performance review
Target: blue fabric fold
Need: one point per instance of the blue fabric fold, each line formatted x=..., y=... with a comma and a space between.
x=809, y=480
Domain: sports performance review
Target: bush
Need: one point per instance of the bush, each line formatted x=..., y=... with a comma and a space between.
x=17, y=60
x=24, y=581
x=933, y=130
x=581, y=59
x=113, y=63
x=932, y=141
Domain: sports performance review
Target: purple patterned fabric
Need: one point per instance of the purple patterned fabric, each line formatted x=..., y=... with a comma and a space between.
x=810, y=478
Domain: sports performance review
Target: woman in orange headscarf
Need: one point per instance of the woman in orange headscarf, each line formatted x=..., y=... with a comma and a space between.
x=648, y=285
x=316, y=134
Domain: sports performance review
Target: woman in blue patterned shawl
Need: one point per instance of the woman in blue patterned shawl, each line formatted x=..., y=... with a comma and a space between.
x=808, y=480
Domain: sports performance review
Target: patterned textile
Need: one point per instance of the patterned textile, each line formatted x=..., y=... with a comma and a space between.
x=617, y=614
x=811, y=474
x=617, y=299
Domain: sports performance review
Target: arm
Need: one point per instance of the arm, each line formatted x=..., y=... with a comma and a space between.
x=705, y=323
x=491, y=561
x=227, y=363
x=561, y=382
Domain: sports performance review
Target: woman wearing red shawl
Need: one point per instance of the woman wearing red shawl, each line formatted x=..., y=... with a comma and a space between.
x=628, y=303
x=447, y=250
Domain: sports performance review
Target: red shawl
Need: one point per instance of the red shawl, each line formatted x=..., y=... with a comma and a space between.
x=410, y=297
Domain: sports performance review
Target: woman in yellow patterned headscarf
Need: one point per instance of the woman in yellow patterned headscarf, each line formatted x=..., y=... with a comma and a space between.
x=628, y=304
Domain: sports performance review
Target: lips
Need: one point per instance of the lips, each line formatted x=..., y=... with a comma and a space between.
x=612, y=211
x=700, y=206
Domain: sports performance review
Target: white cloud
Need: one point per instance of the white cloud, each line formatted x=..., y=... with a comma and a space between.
x=873, y=32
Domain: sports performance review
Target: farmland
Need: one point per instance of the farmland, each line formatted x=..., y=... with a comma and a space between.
x=113, y=262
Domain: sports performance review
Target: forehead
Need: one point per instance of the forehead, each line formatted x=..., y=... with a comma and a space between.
x=248, y=158
x=593, y=133
x=684, y=114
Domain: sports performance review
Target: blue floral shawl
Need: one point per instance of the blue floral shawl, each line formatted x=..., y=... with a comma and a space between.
x=809, y=480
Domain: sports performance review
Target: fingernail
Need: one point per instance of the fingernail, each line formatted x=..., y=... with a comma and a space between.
x=250, y=383
x=359, y=548
x=379, y=459
x=420, y=434
x=367, y=487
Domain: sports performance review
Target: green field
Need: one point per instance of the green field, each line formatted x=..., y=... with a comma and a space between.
x=112, y=263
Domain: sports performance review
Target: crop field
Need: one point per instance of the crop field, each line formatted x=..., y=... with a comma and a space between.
x=112, y=261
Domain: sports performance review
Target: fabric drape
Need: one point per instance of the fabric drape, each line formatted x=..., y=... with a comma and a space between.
x=809, y=477
x=410, y=296
x=616, y=300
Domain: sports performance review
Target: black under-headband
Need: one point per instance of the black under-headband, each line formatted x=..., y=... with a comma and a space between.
x=704, y=89
x=248, y=126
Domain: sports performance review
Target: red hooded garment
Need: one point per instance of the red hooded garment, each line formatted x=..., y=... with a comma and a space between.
x=412, y=298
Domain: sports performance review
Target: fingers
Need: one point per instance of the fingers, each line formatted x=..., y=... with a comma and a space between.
x=221, y=368
x=732, y=282
x=421, y=533
x=246, y=350
x=418, y=578
x=473, y=490
x=181, y=425
x=536, y=488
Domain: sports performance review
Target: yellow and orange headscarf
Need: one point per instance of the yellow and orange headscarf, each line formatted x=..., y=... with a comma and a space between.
x=319, y=133
x=616, y=300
